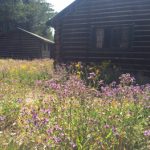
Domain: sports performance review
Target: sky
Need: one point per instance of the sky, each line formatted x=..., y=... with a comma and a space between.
x=60, y=4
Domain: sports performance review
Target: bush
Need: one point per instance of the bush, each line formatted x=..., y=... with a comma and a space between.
x=92, y=73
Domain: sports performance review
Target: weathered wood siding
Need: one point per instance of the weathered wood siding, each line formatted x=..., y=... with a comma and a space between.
x=76, y=38
x=20, y=45
x=75, y=34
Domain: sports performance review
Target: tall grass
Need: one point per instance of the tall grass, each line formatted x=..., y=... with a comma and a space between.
x=42, y=108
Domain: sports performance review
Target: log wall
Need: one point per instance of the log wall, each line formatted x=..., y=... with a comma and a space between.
x=20, y=45
x=77, y=32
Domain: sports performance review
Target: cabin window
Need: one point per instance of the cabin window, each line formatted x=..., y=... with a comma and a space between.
x=116, y=37
x=112, y=37
x=45, y=47
x=99, y=38
x=45, y=50
x=125, y=37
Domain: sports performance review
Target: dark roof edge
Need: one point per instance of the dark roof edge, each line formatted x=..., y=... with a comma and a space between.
x=35, y=35
x=64, y=12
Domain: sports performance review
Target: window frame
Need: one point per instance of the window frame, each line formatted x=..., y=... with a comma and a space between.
x=131, y=31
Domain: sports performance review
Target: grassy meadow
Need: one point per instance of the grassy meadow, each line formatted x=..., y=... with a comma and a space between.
x=70, y=109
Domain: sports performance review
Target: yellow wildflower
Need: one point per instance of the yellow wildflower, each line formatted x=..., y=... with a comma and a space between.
x=23, y=67
x=78, y=65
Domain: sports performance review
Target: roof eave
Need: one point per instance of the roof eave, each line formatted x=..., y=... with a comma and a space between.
x=35, y=35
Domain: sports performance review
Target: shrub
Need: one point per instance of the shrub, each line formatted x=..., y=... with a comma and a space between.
x=92, y=73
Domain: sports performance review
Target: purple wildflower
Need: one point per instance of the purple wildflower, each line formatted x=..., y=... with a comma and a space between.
x=50, y=131
x=36, y=123
x=106, y=126
x=115, y=132
x=19, y=100
x=57, y=139
x=73, y=145
x=147, y=133
x=101, y=82
x=57, y=128
x=34, y=115
x=126, y=79
x=45, y=121
x=46, y=111
x=2, y=118
x=91, y=75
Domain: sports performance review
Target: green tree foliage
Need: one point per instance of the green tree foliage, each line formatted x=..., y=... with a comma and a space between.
x=31, y=15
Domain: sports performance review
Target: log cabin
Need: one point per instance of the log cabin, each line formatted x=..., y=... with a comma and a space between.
x=22, y=44
x=97, y=30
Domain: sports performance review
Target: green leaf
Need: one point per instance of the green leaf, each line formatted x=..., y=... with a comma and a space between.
x=109, y=135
